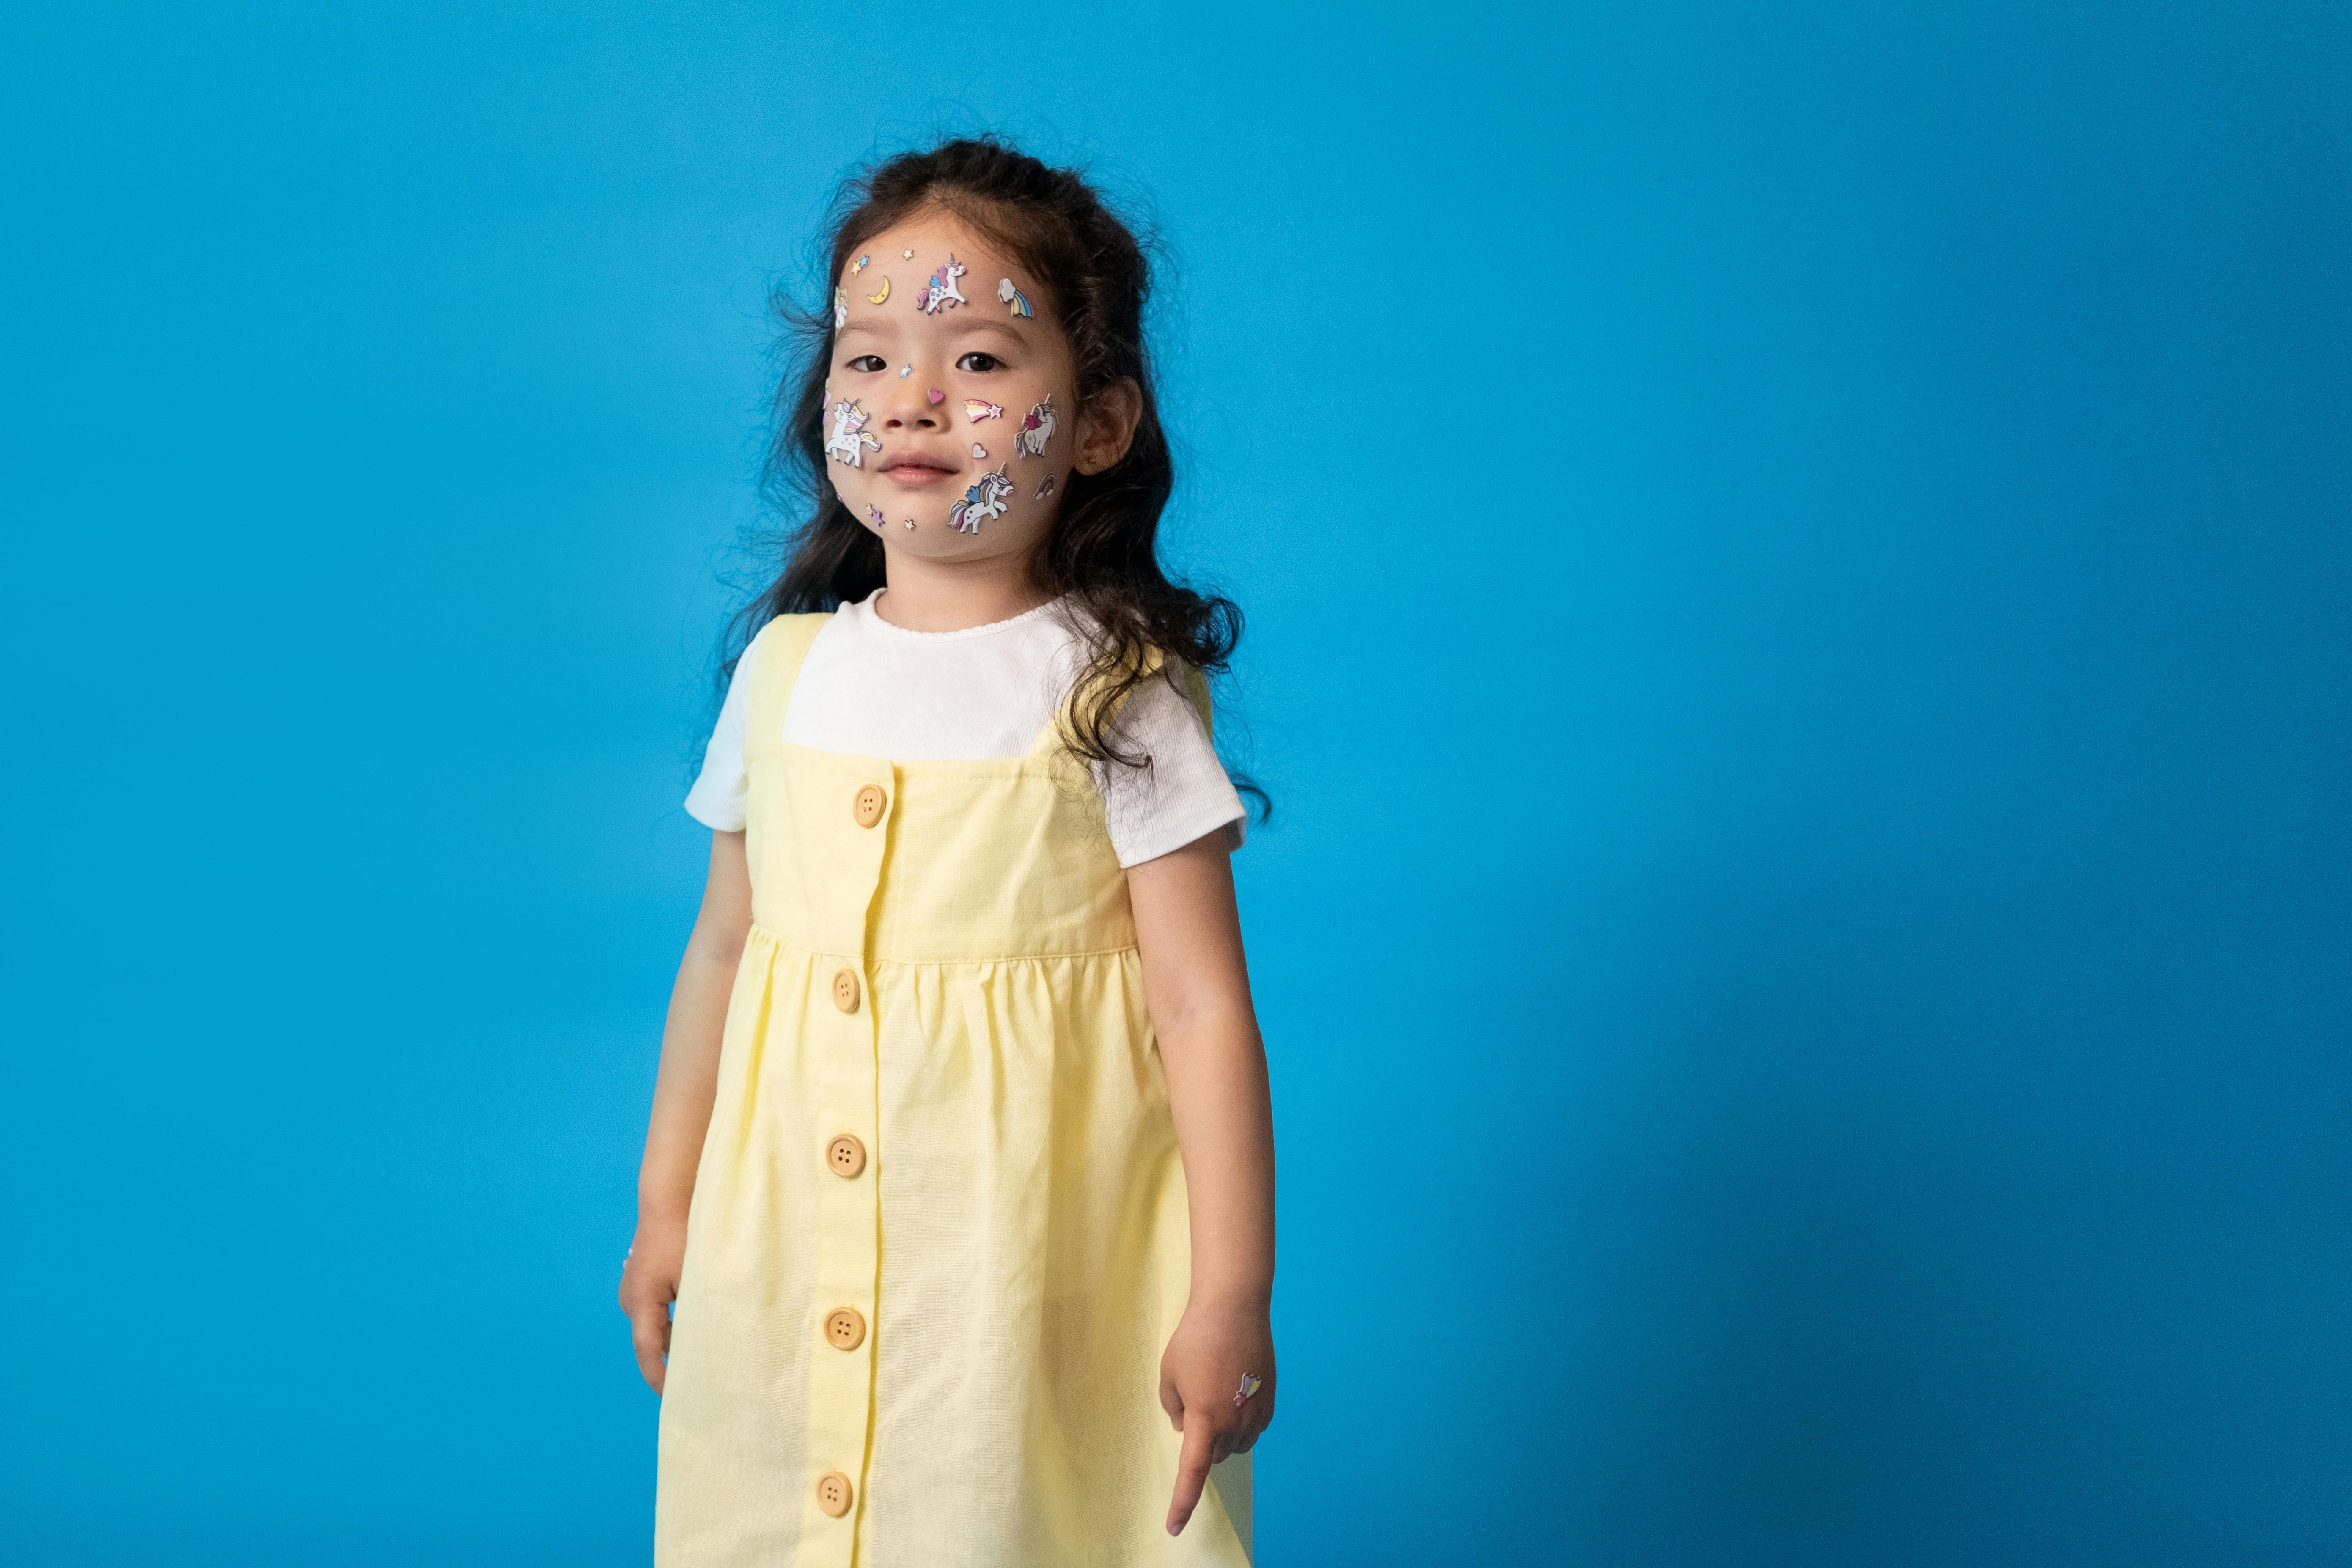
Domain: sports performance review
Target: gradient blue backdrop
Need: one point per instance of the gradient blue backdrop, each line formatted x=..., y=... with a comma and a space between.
x=1796, y=561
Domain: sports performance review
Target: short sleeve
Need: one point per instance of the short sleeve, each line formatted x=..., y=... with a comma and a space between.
x=1184, y=792
x=717, y=799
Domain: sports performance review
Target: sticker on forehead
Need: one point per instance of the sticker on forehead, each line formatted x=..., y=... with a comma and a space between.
x=985, y=499
x=849, y=443
x=940, y=291
x=1014, y=297
x=858, y=266
x=978, y=408
x=840, y=309
x=884, y=294
x=907, y=255
x=1045, y=488
x=1037, y=429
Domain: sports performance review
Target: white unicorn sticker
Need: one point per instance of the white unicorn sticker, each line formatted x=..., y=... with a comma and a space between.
x=985, y=499
x=849, y=443
x=1037, y=429
x=940, y=291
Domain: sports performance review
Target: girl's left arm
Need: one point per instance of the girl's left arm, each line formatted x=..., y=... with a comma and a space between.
x=1196, y=984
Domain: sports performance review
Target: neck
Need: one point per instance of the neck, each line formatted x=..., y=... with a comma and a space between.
x=950, y=596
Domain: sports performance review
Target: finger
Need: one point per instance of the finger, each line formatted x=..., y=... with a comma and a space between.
x=1191, y=1473
x=649, y=1335
x=1257, y=1415
x=1173, y=1402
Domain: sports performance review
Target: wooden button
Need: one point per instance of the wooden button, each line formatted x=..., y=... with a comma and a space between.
x=845, y=990
x=869, y=805
x=845, y=1156
x=845, y=1329
x=832, y=1493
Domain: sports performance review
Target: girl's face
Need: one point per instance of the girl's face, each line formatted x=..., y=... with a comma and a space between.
x=950, y=424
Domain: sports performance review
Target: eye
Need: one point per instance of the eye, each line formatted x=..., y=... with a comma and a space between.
x=867, y=362
x=980, y=362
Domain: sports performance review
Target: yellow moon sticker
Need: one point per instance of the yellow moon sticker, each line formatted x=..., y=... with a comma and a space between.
x=877, y=298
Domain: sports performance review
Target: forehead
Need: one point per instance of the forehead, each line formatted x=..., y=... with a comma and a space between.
x=931, y=235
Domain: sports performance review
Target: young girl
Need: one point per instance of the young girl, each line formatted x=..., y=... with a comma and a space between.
x=961, y=1076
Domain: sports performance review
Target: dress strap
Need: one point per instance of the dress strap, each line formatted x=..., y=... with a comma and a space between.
x=783, y=645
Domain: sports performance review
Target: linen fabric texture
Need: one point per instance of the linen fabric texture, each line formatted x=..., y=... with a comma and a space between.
x=1017, y=1239
x=873, y=689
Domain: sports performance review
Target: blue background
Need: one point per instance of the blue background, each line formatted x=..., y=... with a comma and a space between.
x=1797, y=560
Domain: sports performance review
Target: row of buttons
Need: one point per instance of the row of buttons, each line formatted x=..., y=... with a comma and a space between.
x=845, y=1156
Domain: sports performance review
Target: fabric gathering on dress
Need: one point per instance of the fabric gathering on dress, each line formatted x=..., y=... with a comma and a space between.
x=938, y=1236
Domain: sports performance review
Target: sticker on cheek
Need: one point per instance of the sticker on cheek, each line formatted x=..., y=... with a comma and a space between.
x=940, y=291
x=978, y=450
x=910, y=522
x=849, y=442
x=978, y=408
x=905, y=371
x=1014, y=297
x=884, y=294
x=874, y=516
x=936, y=396
x=985, y=499
x=1037, y=429
x=1045, y=488
x=840, y=307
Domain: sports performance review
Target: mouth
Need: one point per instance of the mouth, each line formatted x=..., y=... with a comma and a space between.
x=915, y=471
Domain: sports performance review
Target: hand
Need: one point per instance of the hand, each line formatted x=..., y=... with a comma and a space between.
x=648, y=1284
x=1199, y=1374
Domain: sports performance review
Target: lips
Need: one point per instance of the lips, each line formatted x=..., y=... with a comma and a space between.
x=914, y=470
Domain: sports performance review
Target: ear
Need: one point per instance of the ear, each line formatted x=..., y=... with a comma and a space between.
x=1107, y=425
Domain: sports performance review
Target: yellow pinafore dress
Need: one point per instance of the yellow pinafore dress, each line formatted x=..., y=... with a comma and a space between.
x=938, y=1236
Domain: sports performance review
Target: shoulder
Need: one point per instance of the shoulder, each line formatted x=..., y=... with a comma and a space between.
x=795, y=632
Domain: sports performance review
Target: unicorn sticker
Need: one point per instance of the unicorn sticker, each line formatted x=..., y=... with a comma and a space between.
x=849, y=443
x=1037, y=429
x=985, y=499
x=940, y=291
x=1014, y=297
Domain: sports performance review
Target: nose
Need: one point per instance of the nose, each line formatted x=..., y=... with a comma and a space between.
x=907, y=405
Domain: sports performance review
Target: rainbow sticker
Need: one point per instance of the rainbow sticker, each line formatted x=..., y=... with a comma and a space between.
x=978, y=408
x=1014, y=297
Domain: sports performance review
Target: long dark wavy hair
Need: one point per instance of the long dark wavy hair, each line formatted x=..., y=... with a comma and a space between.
x=1102, y=549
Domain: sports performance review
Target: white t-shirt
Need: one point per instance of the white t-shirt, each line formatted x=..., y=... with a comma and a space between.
x=873, y=689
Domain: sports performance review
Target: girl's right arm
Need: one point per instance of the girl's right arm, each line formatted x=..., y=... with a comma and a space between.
x=683, y=1089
